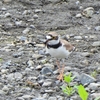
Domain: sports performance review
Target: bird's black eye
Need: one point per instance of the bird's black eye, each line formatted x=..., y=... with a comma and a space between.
x=55, y=38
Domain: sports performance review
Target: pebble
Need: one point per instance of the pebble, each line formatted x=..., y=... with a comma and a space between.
x=39, y=99
x=28, y=97
x=2, y=92
x=96, y=43
x=39, y=67
x=51, y=66
x=79, y=15
x=10, y=77
x=4, y=71
x=86, y=79
x=37, y=56
x=52, y=98
x=86, y=54
x=46, y=71
x=26, y=31
x=97, y=28
x=37, y=10
x=95, y=95
x=7, y=1
x=47, y=83
x=7, y=15
x=18, y=75
x=35, y=16
x=78, y=37
x=18, y=54
x=49, y=91
x=30, y=63
x=94, y=86
x=85, y=62
x=60, y=98
x=5, y=89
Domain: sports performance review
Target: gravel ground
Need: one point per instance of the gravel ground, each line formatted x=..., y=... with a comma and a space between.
x=26, y=73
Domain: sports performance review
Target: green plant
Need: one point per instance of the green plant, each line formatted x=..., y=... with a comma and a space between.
x=68, y=89
x=82, y=92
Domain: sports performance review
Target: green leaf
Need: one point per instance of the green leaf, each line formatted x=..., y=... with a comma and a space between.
x=82, y=92
x=68, y=78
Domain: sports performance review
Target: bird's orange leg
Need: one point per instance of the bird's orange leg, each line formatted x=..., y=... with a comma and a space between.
x=61, y=72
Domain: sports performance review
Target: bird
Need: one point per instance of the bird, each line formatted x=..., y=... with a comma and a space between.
x=59, y=49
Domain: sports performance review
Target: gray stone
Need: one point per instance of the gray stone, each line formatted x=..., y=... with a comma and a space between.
x=96, y=43
x=95, y=95
x=47, y=83
x=78, y=37
x=27, y=96
x=52, y=98
x=94, y=86
x=46, y=71
x=86, y=79
x=18, y=75
x=39, y=99
x=30, y=63
x=97, y=28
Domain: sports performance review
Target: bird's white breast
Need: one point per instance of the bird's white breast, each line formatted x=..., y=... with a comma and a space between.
x=60, y=52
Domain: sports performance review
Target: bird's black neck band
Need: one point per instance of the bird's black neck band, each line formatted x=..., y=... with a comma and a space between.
x=55, y=46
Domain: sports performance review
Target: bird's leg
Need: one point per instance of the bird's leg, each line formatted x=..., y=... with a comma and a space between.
x=61, y=71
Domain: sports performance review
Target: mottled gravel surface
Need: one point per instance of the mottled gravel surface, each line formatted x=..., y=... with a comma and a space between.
x=26, y=73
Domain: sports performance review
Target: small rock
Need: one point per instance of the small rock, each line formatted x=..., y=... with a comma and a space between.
x=5, y=89
x=39, y=99
x=37, y=10
x=10, y=77
x=79, y=15
x=27, y=97
x=95, y=95
x=4, y=71
x=86, y=54
x=18, y=54
x=7, y=1
x=26, y=31
x=7, y=15
x=94, y=86
x=28, y=70
x=52, y=98
x=30, y=63
x=46, y=71
x=94, y=50
x=35, y=16
x=26, y=12
x=3, y=9
x=49, y=65
x=77, y=2
x=37, y=56
x=97, y=28
x=2, y=92
x=96, y=44
x=18, y=23
x=85, y=62
x=39, y=67
x=18, y=75
x=86, y=79
x=88, y=12
x=49, y=91
x=60, y=98
x=47, y=83
x=78, y=37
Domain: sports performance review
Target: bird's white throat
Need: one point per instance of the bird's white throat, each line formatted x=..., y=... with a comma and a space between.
x=53, y=42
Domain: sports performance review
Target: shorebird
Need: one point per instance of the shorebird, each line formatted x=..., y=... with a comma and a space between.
x=59, y=49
